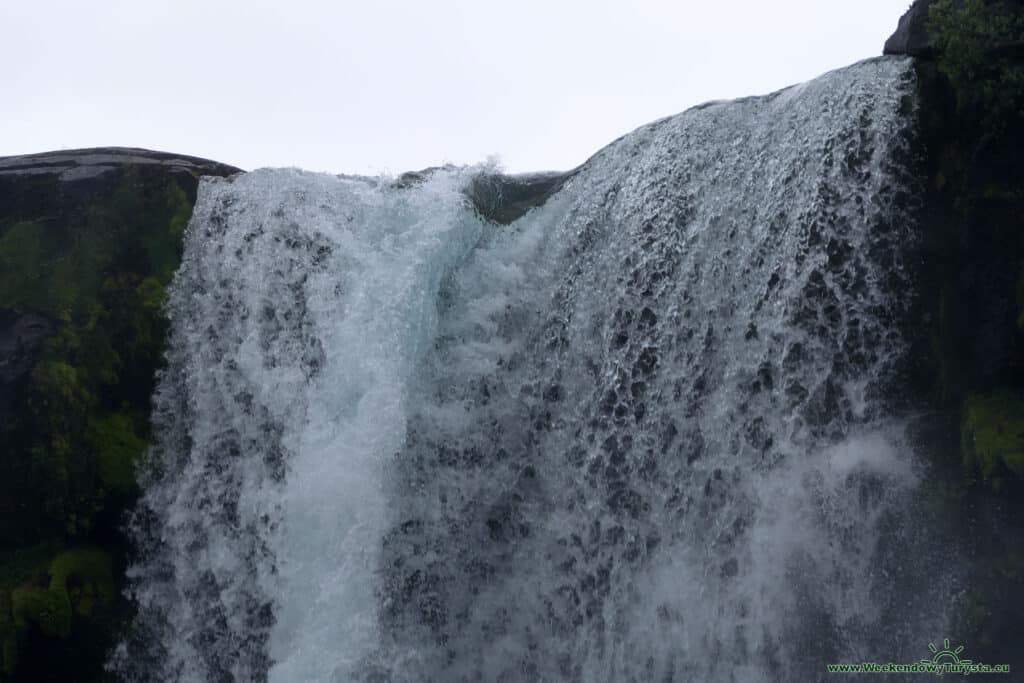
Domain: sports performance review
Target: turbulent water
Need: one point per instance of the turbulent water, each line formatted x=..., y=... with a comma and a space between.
x=654, y=430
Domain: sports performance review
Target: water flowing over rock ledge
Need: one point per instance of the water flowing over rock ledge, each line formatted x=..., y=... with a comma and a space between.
x=425, y=448
x=89, y=240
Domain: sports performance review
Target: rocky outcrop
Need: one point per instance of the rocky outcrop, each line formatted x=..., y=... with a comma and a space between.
x=37, y=184
x=911, y=36
x=88, y=241
x=499, y=197
x=80, y=164
x=59, y=189
x=504, y=198
x=970, y=333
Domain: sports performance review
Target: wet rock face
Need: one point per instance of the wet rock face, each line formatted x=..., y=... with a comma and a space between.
x=29, y=183
x=80, y=164
x=504, y=198
x=911, y=36
x=21, y=333
x=88, y=241
x=53, y=189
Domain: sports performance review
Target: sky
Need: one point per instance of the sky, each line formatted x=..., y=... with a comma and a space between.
x=386, y=86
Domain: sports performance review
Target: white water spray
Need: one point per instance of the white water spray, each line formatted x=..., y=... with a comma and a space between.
x=648, y=432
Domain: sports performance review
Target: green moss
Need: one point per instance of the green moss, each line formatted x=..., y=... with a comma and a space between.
x=100, y=271
x=20, y=567
x=972, y=290
x=44, y=268
x=992, y=435
x=118, y=446
x=97, y=263
x=48, y=610
x=84, y=578
x=57, y=266
x=60, y=386
x=43, y=592
x=79, y=580
x=151, y=295
x=979, y=43
x=167, y=252
x=23, y=247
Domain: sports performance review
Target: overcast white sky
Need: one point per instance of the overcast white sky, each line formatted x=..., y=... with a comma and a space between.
x=394, y=85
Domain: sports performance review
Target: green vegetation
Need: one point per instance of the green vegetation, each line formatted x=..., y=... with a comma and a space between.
x=992, y=434
x=98, y=267
x=47, y=601
x=972, y=119
x=971, y=116
x=980, y=46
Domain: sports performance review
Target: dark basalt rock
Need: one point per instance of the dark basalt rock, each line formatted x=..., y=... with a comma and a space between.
x=89, y=239
x=498, y=197
x=58, y=190
x=80, y=164
x=504, y=198
x=28, y=183
x=968, y=334
x=21, y=333
x=911, y=36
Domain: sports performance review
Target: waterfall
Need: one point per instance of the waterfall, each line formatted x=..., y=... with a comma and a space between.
x=653, y=430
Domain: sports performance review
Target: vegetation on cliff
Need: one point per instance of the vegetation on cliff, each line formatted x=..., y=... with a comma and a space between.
x=98, y=268
x=971, y=114
x=981, y=51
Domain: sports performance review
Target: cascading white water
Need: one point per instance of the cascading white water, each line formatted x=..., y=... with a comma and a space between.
x=651, y=431
x=300, y=310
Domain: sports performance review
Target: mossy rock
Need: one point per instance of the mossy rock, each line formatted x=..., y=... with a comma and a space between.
x=980, y=43
x=992, y=434
x=74, y=585
x=89, y=239
x=22, y=567
x=79, y=582
x=48, y=610
x=85, y=578
x=98, y=267
x=118, y=446
x=969, y=343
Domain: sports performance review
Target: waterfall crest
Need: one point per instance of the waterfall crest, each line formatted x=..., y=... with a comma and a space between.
x=652, y=430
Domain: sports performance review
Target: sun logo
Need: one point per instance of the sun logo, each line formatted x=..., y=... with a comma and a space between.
x=945, y=653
